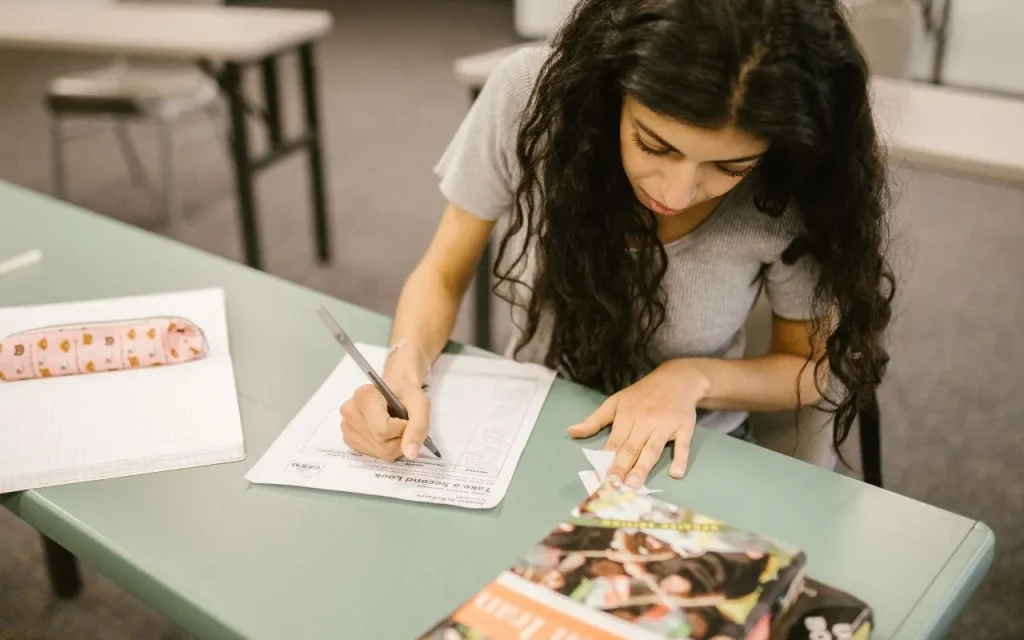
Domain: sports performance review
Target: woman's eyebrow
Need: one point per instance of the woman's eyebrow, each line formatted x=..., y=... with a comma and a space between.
x=662, y=142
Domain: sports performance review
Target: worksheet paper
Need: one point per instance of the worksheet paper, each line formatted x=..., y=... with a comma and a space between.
x=119, y=423
x=482, y=412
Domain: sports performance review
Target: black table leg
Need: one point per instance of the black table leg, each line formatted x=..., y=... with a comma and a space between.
x=314, y=151
x=941, y=38
x=232, y=79
x=63, y=569
x=272, y=100
x=247, y=165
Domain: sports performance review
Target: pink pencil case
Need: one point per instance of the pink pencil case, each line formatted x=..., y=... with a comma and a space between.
x=65, y=350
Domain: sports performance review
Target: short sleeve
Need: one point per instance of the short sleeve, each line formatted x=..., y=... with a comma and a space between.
x=478, y=168
x=790, y=289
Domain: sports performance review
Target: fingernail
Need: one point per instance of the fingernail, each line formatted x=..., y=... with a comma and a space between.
x=677, y=471
x=572, y=427
x=411, y=451
x=634, y=481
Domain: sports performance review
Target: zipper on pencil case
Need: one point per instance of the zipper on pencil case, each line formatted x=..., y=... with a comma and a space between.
x=98, y=326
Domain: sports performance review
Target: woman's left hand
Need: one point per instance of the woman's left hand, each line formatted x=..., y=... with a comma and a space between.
x=645, y=416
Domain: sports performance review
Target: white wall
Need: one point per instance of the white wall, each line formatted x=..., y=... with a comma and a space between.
x=887, y=33
x=985, y=49
x=540, y=18
x=537, y=19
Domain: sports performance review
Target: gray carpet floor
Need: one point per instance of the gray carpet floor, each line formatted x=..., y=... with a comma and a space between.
x=952, y=406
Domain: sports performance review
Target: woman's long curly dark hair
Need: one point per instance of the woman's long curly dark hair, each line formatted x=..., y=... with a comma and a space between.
x=786, y=71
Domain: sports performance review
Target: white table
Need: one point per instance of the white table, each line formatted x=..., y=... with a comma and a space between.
x=951, y=129
x=223, y=41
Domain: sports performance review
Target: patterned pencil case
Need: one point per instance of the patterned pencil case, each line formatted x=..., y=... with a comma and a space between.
x=64, y=350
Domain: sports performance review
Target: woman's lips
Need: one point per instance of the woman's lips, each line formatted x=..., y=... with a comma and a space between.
x=657, y=207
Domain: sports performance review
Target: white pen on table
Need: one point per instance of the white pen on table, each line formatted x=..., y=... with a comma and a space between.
x=21, y=260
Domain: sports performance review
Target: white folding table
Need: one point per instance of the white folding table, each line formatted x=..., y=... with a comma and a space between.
x=224, y=41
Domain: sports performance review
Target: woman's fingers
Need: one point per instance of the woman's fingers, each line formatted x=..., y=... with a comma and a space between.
x=640, y=442
x=627, y=453
x=621, y=430
x=352, y=427
x=681, y=451
x=416, y=429
x=357, y=438
x=374, y=409
x=367, y=428
x=649, y=455
x=353, y=433
x=389, y=450
x=599, y=419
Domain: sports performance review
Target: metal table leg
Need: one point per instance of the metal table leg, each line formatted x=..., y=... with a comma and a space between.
x=232, y=79
x=314, y=151
x=272, y=100
x=247, y=165
x=63, y=569
x=941, y=40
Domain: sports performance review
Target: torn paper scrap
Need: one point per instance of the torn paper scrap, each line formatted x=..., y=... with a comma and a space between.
x=590, y=481
x=602, y=461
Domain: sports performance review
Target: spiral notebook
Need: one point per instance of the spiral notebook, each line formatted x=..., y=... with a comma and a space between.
x=92, y=426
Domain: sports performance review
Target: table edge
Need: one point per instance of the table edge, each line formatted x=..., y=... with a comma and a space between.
x=240, y=55
x=939, y=605
x=964, y=167
x=929, y=618
x=51, y=521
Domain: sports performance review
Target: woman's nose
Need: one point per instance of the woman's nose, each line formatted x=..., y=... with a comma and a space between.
x=681, y=187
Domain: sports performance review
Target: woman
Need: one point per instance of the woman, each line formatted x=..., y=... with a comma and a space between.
x=663, y=164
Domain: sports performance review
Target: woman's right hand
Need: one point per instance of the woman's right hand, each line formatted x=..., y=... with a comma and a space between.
x=369, y=429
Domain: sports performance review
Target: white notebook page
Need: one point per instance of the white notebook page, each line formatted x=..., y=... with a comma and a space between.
x=102, y=425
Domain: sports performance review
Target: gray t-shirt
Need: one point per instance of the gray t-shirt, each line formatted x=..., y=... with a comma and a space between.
x=711, y=282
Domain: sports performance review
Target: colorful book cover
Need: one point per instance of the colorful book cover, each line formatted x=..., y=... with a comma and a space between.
x=627, y=565
x=821, y=611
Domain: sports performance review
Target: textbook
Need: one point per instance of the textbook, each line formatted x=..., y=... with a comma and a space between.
x=628, y=565
x=821, y=611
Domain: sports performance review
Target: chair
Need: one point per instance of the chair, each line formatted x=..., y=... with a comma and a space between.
x=811, y=441
x=159, y=92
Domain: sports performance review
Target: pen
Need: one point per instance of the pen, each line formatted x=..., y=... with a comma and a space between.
x=394, y=404
x=21, y=260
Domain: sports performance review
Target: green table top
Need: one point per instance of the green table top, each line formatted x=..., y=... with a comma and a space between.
x=228, y=560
